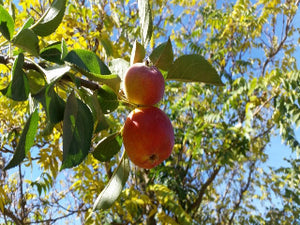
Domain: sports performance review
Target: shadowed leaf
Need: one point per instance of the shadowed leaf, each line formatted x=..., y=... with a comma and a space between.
x=18, y=88
x=77, y=132
x=107, y=147
x=162, y=56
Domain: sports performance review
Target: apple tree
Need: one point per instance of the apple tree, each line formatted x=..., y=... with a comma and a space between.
x=231, y=84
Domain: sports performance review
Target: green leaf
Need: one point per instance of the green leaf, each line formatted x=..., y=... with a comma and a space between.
x=106, y=43
x=92, y=101
x=113, y=189
x=64, y=49
x=26, y=140
x=28, y=23
x=146, y=23
x=36, y=81
x=51, y=19
x=7, y=24
x=27, y=40
x=162, y=56
x=193, y=68
x=90, y=65
x=77, y=132
x=119, y=66
x=107, y=98
x=54, y=73
x=108, y=147
x=52, y=53
x=88, y=61
x=18, y=88
x=12, y=10
x=52, y=103
x=138, y=53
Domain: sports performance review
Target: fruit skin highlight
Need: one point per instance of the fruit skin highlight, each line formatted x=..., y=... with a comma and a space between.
x=144, y=85
x=148, y=136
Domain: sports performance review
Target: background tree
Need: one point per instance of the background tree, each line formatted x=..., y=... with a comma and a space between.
x=215, y=174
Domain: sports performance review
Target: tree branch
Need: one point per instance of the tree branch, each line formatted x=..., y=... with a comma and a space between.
x=203, y=188
x=274, y=52
x=11, y=215
x=242, y=191
x=30, y=66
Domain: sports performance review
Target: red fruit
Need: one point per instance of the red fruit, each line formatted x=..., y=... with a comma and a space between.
x=148, y=136
x=144, y=85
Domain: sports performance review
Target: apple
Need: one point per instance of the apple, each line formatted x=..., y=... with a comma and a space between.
x=144, y=85
x=148, y=136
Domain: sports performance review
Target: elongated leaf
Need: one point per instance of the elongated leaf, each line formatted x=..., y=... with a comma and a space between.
x=28, y=23
x=27, y=40
x=89, y=64
x=7, y=24
x=18, y=88
x=107, y=147
x=26, y=140
x=77, y=132
x=145, y=21
x=12, y=10
x=138, y=53
x=193, y=68
x=107, y=45
x=64, y=49
x=114, y=187
x=51, y=19
x=162, y=56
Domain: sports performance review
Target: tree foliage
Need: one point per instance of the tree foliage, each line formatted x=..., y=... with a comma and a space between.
x=231, y=85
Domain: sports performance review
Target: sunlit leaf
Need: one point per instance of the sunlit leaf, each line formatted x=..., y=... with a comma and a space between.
x=138, y=53
x=89, y=64
x=146, y=23
x=7, y=24
x=54, y=73
x=51, y=19
x=88, y=61
x=193, y=68
x=27, y=23
x=26, y=140
x=28, y=41
x=119, y=66
x=113, y=189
